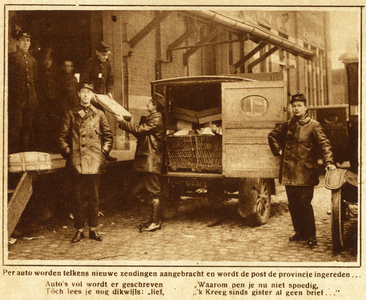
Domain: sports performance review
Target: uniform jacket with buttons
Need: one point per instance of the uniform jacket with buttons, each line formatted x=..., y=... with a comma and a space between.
x=22, y=80
x=302, y=142
x=150, y=143
x=85, y=140
x=100, y=73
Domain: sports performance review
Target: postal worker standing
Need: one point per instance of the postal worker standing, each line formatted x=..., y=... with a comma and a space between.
x=98, y=70
x=85, y=141
x=300, y=141
x=22, y=93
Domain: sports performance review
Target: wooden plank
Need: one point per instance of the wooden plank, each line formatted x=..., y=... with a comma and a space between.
x=148, y=28
x=270, y=124
x=207, y=119
x=193, y=175
x=184, y=37
x=186, y=118
x=273, y=76
x=246, y=133
x=261, y=58
x=18, y=201
x=249, y=55
x=209, y=112
x=239, y=161
x=207, y=115
x=255, y=173
x=184, y=111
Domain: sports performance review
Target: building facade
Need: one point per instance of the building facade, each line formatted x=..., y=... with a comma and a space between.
x=149, y=44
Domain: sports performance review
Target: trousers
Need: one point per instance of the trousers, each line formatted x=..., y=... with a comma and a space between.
x=86, y=200
x=20, y=128
x=301, y=210
x=151, y=181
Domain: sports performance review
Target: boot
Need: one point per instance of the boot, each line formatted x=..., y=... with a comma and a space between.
x=156, y=216
x=144, y=225
x=153, y=227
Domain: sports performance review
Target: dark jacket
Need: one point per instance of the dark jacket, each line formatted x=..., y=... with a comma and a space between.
x=68, y=91
x=85, y=140
x=302, y=142
x=150, y=143
x=22, y=80
x=100, y=73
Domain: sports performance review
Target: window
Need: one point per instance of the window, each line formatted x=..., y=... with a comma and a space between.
x=254, y=105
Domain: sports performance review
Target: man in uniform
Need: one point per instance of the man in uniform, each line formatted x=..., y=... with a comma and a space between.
x=85, y=141
x=149, y=156
x=299, y=141
x=22, y=93
x=98, y=70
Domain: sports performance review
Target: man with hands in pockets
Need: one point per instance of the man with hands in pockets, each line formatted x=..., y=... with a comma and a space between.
x=85, y=141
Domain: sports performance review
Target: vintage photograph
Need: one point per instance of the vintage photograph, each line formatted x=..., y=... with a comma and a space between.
x=216, y=135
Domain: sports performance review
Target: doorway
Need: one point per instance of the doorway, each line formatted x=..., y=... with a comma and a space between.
x=70, y=34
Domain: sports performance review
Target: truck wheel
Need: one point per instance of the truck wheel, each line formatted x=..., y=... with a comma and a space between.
x=263, y=203
x=338, y=217
x=255, y=199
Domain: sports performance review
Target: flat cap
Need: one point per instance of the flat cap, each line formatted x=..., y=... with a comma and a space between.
x=22, y=33
x=87, y=85
x=159, y=99
x=103, y=47
x=298, y=97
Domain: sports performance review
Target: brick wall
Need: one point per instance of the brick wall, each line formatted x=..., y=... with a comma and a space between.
x=149, y=60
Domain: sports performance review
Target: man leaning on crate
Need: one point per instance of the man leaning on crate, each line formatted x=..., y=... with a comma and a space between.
x=85, y=141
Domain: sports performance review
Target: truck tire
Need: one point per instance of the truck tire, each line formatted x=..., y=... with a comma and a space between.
x=255, y=200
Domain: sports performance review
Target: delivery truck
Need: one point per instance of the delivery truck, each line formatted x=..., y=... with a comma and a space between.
x=216, y=140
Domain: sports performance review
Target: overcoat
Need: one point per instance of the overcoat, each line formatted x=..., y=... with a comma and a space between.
x=150, y=143
x=302, y=142
x=85, y=140
x=100, y=73
x=22, y=80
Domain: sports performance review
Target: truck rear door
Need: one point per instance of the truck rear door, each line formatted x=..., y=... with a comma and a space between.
x=250, y=110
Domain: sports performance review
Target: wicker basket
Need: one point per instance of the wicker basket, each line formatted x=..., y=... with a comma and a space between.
x=208, y=153
x=181, y=153
x=196, y=153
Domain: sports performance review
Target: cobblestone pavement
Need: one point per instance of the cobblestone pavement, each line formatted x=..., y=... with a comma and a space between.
x=187, y=238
